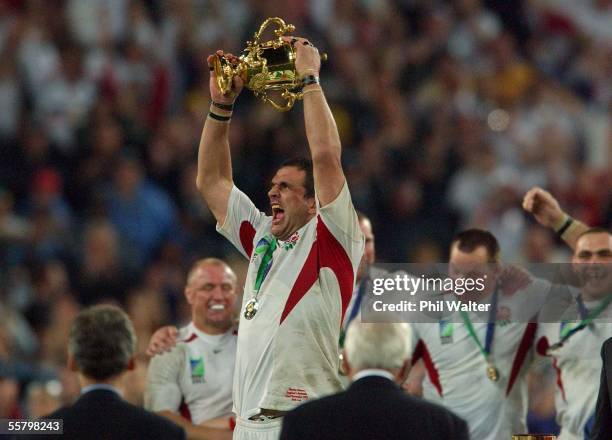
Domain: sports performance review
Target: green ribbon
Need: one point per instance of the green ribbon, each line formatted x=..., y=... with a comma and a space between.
x=266, y=246
x=569, y=330
x=472, y=333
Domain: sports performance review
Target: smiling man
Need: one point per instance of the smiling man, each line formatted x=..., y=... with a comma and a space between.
x=476, y=361
x=303, y=259
x=575, y=343
x=191, y=385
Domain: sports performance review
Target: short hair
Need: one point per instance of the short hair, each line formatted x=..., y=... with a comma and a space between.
x=210, y=261
x=302, y=164
x=594, y=230
x=471, y=239
x=102, y=341
x=378, y=345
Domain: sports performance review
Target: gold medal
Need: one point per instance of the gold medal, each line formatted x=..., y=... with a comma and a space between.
x=341, y=369
x=250, y=310
x=492, y=372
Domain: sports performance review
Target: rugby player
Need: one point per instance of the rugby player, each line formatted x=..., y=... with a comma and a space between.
x=302, y=259
x=574, y=343
x=191, y=384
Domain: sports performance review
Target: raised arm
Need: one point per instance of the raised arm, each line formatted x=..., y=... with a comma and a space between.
x=214, y=179
x=321, y=130
x=546, y=210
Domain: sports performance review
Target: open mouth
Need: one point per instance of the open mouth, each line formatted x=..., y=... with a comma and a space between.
x=216, y=307
x=278, y=214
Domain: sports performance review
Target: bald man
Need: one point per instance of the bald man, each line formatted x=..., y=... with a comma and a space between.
x=192, y=383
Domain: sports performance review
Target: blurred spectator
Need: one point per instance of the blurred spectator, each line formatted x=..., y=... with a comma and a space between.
x=42, y=398
x=539, y=247
x=66, y=99
x=101, y=275
x=9, y=396
x=15, y=230
x=143, y=214
x=147, y=312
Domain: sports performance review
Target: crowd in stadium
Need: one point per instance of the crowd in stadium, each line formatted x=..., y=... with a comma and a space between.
x=448, y=112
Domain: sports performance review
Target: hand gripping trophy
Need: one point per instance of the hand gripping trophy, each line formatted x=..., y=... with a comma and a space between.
x=265, y=67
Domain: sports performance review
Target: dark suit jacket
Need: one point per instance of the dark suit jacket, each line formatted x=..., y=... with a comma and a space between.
x=603, y=411
x=104, y=415
x=372, y=408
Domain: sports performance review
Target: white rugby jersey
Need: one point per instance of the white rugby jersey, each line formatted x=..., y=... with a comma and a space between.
x=456, y=369
x=195, y=378
x=578, y=366
x=288, y=352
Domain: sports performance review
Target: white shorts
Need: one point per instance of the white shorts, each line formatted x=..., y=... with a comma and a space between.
x=252, y=430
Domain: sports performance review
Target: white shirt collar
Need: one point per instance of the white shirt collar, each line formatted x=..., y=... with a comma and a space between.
x=373, y=372
x=212, y=339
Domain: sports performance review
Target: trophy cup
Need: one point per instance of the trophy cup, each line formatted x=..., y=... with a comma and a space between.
x=265, y=67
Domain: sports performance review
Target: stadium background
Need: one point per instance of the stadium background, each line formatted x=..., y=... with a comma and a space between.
x=448, y=112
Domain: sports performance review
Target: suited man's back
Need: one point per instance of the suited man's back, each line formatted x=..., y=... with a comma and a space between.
x=103, y=414
x=602, y=429
x=372, y=408
x=101, y=349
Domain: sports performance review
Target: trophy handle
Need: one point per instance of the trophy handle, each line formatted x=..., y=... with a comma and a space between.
x=282, y=29
x=289, y=97
x=224, y=75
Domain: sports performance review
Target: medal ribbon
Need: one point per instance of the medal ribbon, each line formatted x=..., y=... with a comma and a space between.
x=355, y=310
x=586, y=318
x=486, y=350
x=266, y=246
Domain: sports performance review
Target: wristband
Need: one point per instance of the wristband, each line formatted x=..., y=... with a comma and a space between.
x=565, y=226
x=226, y=107
x=218, y=117
x=310, y=79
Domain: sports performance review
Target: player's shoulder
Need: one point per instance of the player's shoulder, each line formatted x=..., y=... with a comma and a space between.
x=169, y=359
x=264, y=227
x=186, y=334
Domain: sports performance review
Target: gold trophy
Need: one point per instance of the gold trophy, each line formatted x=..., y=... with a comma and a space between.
x=265, y=67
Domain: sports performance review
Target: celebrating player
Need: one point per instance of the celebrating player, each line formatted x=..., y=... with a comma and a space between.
x=575, y=342
x=195, y=377
x=303, y=259
x=477, y=365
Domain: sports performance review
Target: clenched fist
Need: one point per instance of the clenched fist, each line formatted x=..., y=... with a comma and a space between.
x=544, y=207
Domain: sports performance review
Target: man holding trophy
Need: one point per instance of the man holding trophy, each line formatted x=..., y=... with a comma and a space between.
x=303, y=257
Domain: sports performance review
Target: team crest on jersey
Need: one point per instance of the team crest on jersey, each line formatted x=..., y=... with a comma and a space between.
x=290, y=244
x=197, y=370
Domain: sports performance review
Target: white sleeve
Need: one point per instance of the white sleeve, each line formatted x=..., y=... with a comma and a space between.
x=163, y=392
x=340, y=219
x=241, y=222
